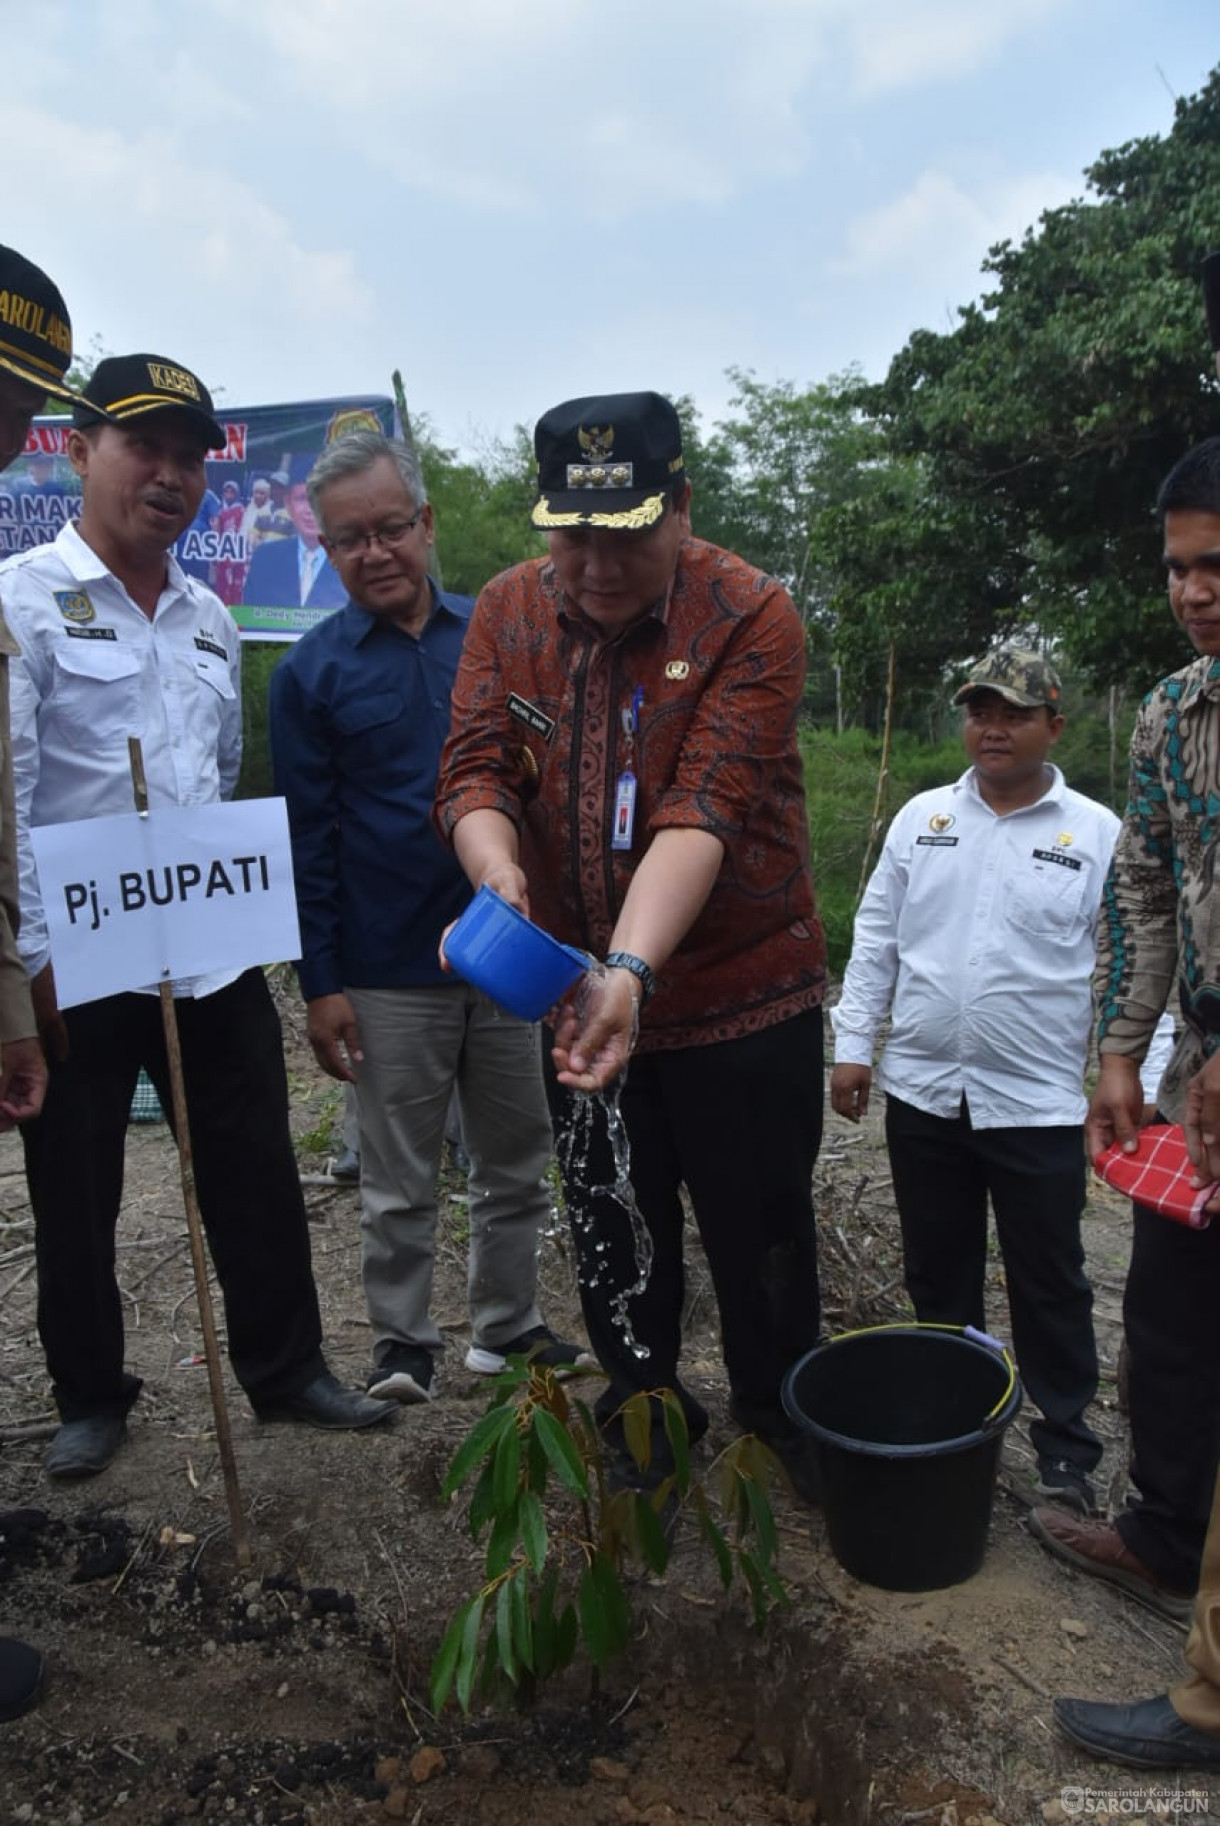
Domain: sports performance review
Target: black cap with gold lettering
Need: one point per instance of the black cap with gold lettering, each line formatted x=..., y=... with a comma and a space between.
x=125, y=387
x=35, y=333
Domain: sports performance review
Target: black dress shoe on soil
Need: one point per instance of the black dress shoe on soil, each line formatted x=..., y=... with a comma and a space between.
x=82, y=1448
x=325, y=1402
x=1148, y=1735
x=21, y=1672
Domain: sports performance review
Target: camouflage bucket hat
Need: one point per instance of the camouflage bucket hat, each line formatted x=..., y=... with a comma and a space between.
x=1019, y=675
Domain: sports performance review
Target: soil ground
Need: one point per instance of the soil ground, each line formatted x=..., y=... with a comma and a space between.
x=181, y=1686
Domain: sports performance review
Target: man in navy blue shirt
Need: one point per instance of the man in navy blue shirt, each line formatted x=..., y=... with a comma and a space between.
x=359, y=714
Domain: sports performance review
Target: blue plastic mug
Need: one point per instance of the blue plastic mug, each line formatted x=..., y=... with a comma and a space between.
x=511, y=959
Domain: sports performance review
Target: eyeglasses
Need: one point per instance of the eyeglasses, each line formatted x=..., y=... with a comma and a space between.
x=389, y=537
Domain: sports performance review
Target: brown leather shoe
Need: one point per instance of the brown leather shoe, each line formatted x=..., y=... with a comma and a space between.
x=1098, y=1548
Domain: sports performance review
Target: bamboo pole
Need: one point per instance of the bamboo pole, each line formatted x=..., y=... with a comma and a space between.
x=883, y=774
x=194, y=1223
x=404, y=419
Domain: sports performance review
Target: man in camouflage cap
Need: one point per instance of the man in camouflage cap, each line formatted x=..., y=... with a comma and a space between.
x=977, y=933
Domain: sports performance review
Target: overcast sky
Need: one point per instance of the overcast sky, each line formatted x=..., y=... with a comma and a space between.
x=515, y=201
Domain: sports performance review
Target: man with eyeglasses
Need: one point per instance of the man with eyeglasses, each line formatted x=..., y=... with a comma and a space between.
x=623, y=765
x=359, y=713
x=295, y=573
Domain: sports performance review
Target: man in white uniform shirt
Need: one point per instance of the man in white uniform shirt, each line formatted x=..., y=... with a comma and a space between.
x=117, y=640
x=978, y=932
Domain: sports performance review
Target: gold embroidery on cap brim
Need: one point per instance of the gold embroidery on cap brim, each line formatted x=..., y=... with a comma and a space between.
x=647, y=513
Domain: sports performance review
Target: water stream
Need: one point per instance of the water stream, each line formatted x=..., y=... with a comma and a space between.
x=574, y=1144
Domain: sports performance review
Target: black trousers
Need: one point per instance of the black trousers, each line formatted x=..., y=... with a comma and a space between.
x=943, y=1171
x=1171, y=1311
x=739, y=1123
x=245, y=1174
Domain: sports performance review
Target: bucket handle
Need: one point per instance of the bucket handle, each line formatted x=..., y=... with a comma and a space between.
x=992, y=1418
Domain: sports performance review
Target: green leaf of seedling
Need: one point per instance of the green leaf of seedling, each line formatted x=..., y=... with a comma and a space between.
x=523, y=1626
x=484, y=1436
x=637, y=1429
x=535, y=1461
x=650, y=1535
x=758, y=1600
x=502, y=1540
x=592, y=1619
x=715, y=1540
x=544, y=1625
x=678, y=1435
x=561, y=1453
x=508, y=1467
x=614, y=1602
x=505, y=1651
x=446, y=1658
x=483, y=1501
x=533, y=1530
x=763, y=1520
x=468, y=1653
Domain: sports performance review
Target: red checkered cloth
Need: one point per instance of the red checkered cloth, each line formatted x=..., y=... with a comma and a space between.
x=1159, y=1174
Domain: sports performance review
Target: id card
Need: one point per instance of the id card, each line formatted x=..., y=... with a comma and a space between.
x=624, y=811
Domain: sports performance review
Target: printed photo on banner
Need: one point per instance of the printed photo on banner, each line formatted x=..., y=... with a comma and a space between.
x=254, y=540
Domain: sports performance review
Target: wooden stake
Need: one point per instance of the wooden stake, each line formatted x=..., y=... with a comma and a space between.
x=194, y=1223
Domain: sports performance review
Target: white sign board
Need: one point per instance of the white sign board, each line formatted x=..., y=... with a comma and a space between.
x=134, y=901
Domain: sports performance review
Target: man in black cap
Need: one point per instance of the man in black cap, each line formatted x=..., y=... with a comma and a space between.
x=35, y=354
x=623, y=765
x=117, y=640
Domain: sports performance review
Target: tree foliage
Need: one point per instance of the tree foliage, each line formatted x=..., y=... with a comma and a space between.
x=1047, y=419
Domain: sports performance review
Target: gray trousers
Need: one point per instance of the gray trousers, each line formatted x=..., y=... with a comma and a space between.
x=418, y=1045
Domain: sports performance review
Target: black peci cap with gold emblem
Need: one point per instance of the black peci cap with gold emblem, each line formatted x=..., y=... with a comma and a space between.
x=611, y=460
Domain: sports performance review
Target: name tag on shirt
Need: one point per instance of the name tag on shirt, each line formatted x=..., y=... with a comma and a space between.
x=91, y=634
x=937, y=843
x=210, y=646
x=531, y=716
x=1061, y=861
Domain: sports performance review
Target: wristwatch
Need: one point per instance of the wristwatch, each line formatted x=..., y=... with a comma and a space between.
x=642, y=972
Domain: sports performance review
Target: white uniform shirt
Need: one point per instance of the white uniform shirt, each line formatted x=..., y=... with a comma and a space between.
x=94, y=670
x=979, y=933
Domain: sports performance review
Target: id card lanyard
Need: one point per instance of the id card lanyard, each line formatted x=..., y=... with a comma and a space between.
x=625, y=788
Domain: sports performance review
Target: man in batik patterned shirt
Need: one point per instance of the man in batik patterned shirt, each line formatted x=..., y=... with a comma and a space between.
x=1161, y=918
x=623, y=765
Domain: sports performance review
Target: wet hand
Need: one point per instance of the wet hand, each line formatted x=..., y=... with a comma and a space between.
x=596, y=1031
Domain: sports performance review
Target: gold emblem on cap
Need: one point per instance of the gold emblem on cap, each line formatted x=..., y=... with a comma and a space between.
x=677, y=668
x=941, y=821
x=1065, y=840
x=597, y=442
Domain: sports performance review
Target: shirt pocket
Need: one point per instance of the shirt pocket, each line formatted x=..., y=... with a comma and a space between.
x=369, y=730
x=97, y=691
x=1047, y=899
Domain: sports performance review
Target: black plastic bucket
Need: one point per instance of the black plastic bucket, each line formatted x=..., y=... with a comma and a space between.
x=909, y=1420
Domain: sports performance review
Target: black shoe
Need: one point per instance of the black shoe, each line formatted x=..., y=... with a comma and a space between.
x=1065, y=1483
x=539, y=1345
x=1147, y=1735
x=82, y=1448
x=346, y=1167
x=324, y=1402
x=21, y=1672
x=403, y=1374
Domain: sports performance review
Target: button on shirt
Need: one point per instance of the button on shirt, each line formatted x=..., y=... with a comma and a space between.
x=359, y=714
x=94, y=670
x=979, y=930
